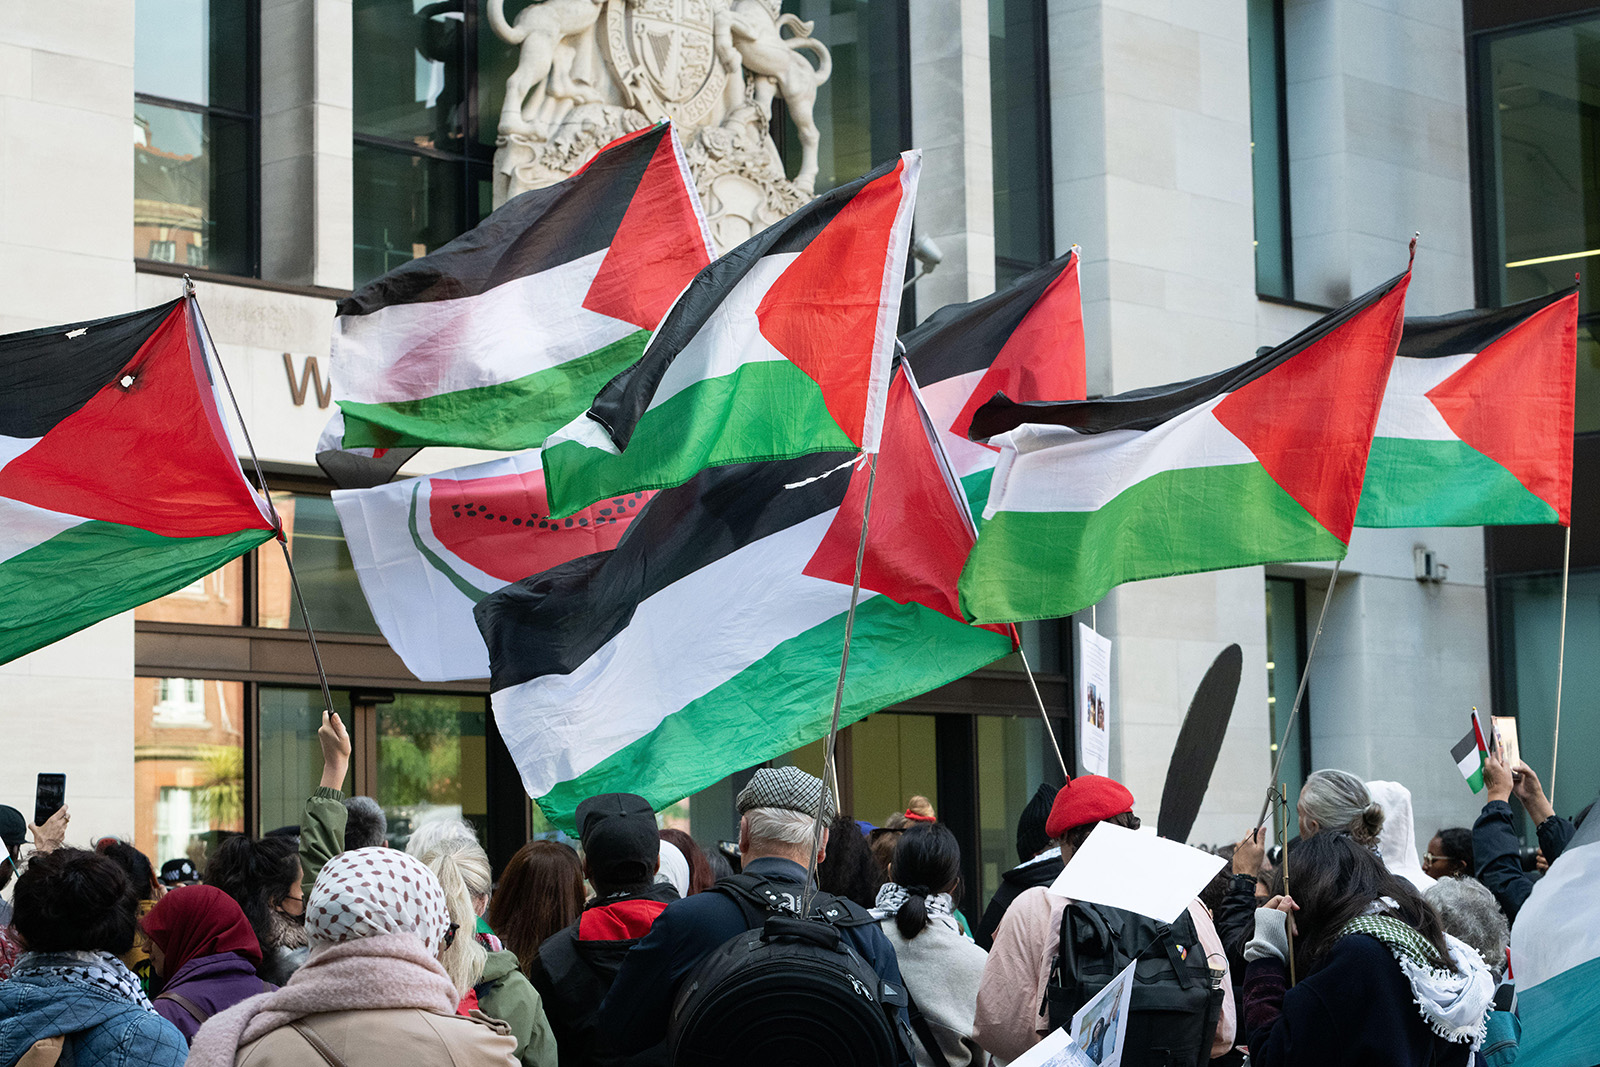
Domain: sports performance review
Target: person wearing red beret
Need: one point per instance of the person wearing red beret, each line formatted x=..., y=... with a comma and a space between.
x=1010, y=1017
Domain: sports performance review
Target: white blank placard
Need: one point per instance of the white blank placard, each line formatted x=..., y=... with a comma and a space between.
x=1136, y=871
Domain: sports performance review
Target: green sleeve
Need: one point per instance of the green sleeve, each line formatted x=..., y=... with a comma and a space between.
x=321, y=833
x=515, y=1002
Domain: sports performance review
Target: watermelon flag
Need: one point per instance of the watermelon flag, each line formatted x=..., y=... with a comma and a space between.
x=1476, y=426
x=118, y=481
x=1261, y=463
x=427, y=550
x=506, y=333
x=778, y=349
x=1025, y=341
x=709, y=638
x=1471, y=754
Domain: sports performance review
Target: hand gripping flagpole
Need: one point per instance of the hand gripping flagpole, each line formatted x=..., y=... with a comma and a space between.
x=1305, y=674
x=261, y=480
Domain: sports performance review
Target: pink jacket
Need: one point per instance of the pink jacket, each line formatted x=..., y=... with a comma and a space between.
x=1009, y=1021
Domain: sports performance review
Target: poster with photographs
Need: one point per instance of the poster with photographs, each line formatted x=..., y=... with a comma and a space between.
x=1095, y=1036
x=1092, y=668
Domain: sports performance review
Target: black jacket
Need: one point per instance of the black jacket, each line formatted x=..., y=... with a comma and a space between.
x=1495, y=846
x=1012, y=883
x=573, y=976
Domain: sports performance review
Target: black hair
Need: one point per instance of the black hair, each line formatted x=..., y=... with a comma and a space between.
x=1456, y=844
x=72, y=899
x=848, y=869
x=1333, y=879
x=365, y=824
x=135, y=864
x=1074, y=838
x=927, y=860
x=258, y=875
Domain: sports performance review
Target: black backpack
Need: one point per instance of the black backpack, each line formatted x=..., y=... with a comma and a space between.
x=788, y=991
x=1177, y=997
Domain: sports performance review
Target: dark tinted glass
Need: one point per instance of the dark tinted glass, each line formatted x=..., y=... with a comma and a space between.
x=192, y=50
x=406, y=206
x=1268, y=149
x=408, y=71
x=1018, y=89
x=191, y=189
x=322, y=563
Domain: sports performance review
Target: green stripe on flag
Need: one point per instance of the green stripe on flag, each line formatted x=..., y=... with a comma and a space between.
x=761, y=411
x=976, y=486
x=96, y=570
x=785, y=700
x=1048, y=564
x=1411, y=482
x=509, y=416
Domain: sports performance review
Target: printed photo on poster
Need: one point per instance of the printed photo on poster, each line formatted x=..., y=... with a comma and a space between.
x=1505, y=739
x=1092, y=670
x=1100, y=1026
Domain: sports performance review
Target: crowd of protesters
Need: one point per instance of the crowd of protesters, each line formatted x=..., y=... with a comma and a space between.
x=329, y=946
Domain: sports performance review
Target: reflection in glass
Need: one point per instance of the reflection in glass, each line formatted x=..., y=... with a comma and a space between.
x=1018, y=90
x=1268, y=152
x=893, y=757
x=192, y=50
x=191, y=185
x=322, y=562
x=1284, y=660
x=188, y=766
x=215, y=600
x=408, y=205
x=432, y=761
x=289, y=758
x=408, y=71
x=1014, y=757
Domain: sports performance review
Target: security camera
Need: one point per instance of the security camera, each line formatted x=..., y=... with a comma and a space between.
x=927, y=253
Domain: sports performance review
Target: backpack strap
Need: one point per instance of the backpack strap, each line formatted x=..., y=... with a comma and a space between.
x=197, y=1013
x=314, y=1039
x=919, y=1023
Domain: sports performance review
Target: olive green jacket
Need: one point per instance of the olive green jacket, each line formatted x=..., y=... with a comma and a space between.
x=321, y=833
x=505, y=993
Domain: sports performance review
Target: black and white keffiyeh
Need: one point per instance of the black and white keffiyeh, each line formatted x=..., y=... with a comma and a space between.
x=893, y=896
x=100, y=971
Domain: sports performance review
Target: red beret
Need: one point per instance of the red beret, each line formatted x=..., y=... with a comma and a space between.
x=1087, y=798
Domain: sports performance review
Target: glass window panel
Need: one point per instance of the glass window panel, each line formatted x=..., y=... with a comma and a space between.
x=1268, y=149
x=1014, y=757
x=191, y=199
x=1529, y=610
x=322, y=562
x=893, y=757
x=289, y=757
x=432, y=761
x=188, y=766
x=406, y=206
x=408, y=71
x=215, y=600
x=1018, y=87
x=192, y=50
x=1284, y=659
x=1041, y=642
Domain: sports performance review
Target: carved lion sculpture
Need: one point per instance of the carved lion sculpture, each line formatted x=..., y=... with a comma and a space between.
x=750, y=35
x=544, y=64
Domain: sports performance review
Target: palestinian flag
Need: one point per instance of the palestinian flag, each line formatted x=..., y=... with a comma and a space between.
x=506, y=333
x=357, y=468
x=1476, y=426
x=427, y=550
x=1471, y=753
x=1025, y=341
x=1261, y=463
x=709, y=639
x=118, y=482
x=778, y=349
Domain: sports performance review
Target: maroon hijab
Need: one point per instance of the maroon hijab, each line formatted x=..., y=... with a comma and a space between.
x=196, y=921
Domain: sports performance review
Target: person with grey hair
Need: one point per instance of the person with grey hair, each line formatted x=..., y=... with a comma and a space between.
x=1469, y=912
x=365, y=824
x=777, y=829
x=1338, y=800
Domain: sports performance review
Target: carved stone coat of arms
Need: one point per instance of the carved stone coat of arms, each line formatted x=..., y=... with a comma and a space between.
x=589, y=71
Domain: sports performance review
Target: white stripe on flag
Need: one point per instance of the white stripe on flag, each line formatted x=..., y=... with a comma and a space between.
x=1051, y=468
x=23, y=526
x=1407, y=412
x=530, y=324
x=891, y=292
x=1470, y=764
x=681, y=644
x=944, y=400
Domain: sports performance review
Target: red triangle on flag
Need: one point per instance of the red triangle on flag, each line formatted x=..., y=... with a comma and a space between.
x=918, y=539
x=657, y=250
x=1514, y=402
x=1310, y=419
x=822, y=311
x=1044, y=358
x=146, y=450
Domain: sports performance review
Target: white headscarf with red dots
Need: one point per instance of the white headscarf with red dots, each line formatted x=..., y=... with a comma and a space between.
x=376, y=891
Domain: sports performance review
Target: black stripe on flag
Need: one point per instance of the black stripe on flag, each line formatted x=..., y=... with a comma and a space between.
x=961, y=338
x=1145, y=409
x=47, y=374
x=1463, y=332
x=623, y=401
x=552, y=622
x=1464, y=747
x=529, y=233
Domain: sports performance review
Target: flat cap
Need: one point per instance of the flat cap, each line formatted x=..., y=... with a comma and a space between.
x=785, y=787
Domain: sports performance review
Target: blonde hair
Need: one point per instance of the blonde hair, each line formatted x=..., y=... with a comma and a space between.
x=451, y=851
x=1338, y=800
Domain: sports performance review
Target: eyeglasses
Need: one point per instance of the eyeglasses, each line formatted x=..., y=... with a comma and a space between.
x=1428, y=858
x=450, y=934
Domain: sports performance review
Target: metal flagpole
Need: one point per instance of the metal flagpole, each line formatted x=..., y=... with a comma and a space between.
x=1048, y=731
x=1305, y=675
x=261, y=481
x=829, y=768
x=1561, y=663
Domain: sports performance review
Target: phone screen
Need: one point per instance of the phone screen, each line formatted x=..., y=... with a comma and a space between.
x=50, y=796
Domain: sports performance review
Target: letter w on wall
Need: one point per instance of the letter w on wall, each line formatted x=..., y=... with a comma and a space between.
x=309, y=373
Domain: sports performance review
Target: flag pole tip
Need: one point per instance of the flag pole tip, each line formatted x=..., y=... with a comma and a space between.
x=188, y=285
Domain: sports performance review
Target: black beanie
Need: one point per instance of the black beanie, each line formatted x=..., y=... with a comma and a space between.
x=1031, y=838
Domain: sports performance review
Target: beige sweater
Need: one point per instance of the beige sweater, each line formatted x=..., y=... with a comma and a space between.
x=942, y=968
x=1009, y=1021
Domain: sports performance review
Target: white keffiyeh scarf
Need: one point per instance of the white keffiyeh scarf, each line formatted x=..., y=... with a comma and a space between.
x=893, y=896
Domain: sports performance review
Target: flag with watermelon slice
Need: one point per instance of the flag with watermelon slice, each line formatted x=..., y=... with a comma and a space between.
x=709, y=639
x=506, y=333
x=428, y=549
x=118, y=480
x=1476, y=426
x=1260, y=463
x=1025, y=341
x=780, y=348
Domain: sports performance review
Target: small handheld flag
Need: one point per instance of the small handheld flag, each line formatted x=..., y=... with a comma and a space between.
x=1471, y=754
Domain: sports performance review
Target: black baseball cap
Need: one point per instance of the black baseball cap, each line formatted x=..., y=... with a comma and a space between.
x=620, y=840
x=178, y=872
x=13, y=827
